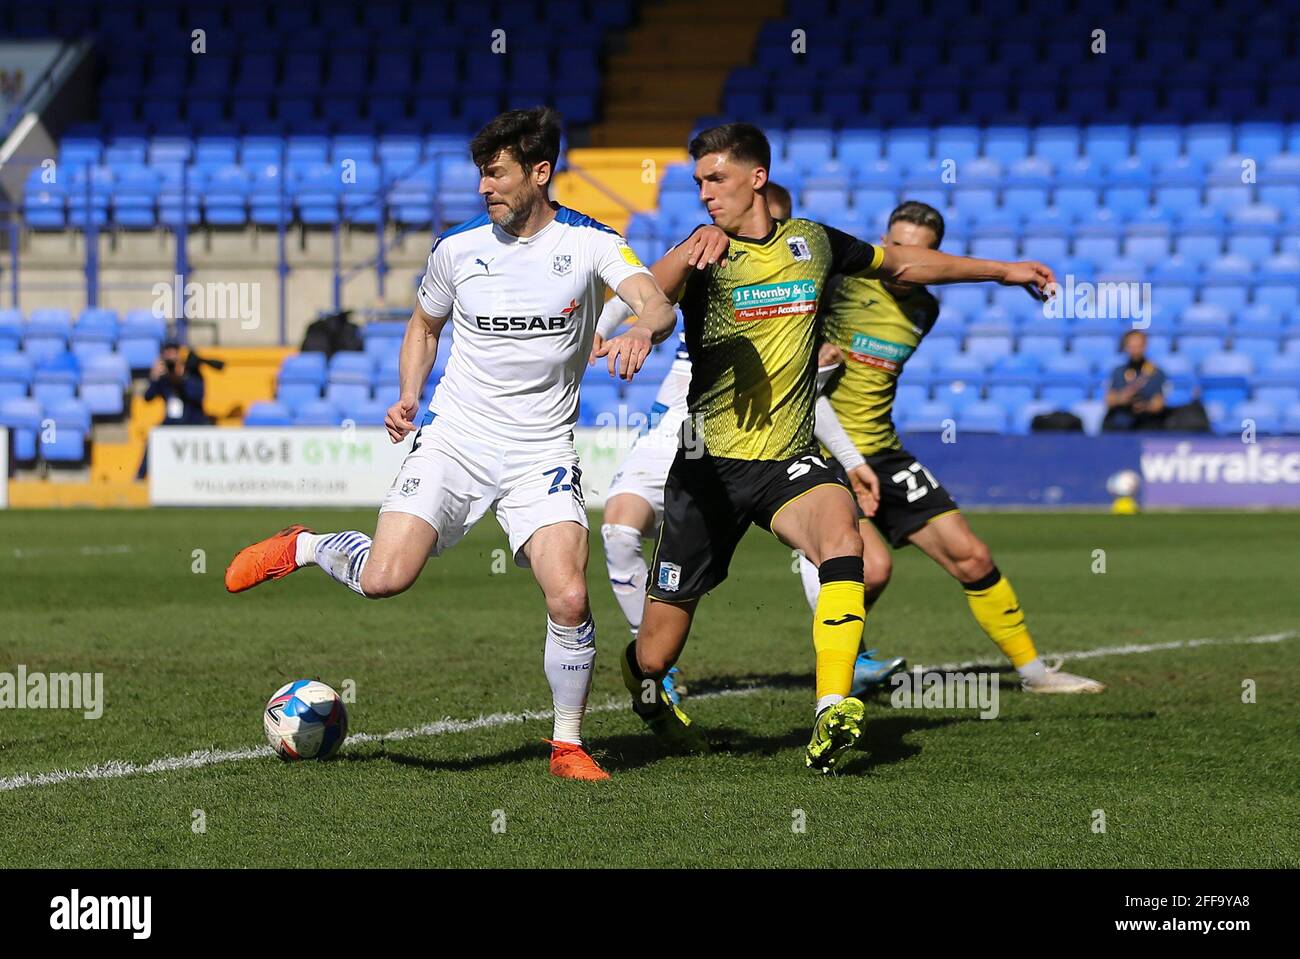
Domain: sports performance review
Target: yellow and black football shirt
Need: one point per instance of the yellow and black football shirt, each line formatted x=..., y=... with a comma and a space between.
x=877, y=332
x=751, y=331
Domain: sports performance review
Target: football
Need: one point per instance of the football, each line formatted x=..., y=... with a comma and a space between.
x=1124, y=483
x=305, y=719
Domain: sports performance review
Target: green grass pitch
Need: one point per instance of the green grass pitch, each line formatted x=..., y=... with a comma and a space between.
x=1185, y=773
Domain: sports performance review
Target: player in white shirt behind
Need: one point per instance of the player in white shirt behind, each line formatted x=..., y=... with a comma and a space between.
x=522, y=284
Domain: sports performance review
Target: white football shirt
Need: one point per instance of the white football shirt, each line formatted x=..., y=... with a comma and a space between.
x=524, y=311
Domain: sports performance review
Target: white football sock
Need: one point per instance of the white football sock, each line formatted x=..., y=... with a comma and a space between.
x=827, y=701
x=812, y=586
x=627, y=570
x=341, y=555
x=1033, y=671
x=570, y=658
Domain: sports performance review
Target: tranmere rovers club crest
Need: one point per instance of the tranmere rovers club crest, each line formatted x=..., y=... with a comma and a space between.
x=563, y=265
x=410, y=485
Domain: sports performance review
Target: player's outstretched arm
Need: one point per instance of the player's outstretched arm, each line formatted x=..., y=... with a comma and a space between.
x=414, y=363
x=705, y=247
x=655, y=321
x=919, y=264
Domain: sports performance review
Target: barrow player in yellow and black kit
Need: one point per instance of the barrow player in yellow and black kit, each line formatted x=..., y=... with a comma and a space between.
x=871, y=327
x=751, y=331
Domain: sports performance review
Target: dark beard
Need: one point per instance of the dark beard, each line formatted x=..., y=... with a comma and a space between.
x=519, y=214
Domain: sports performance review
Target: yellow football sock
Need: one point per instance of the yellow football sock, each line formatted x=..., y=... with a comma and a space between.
x=837, y=624
x=995, y=607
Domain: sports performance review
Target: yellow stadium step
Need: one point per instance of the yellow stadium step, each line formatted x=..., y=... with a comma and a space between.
x=581, y=194
x=145, y=415
x=609, y=184
x=249, y=376
x=671, y=68
x=41, y=494
x=115, y=462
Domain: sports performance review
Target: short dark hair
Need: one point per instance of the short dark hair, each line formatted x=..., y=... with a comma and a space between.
x=530, y=136
x=922, y=214
x=779, y=194
x=1123, y=340
x=742, y=141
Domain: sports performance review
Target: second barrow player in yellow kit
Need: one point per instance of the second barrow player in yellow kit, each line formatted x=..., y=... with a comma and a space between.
x=871, y=328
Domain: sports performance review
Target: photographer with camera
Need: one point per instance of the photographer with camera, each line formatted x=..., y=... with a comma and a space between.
x=180, y=385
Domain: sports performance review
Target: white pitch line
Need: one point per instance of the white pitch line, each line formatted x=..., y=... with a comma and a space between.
x=79, y=550
x=118, y=769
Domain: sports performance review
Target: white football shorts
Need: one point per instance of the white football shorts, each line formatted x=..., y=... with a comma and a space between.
x=450, y=479
x=644, y=470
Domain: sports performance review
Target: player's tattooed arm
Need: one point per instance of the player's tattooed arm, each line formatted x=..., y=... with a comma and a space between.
x=919, y=264
x=414, y=363
x=655, y=322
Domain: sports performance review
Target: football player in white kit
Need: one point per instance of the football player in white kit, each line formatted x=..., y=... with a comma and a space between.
x=522, y=284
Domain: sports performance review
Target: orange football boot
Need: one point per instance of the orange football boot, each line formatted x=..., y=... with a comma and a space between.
x=272, y=558
x=570, y=761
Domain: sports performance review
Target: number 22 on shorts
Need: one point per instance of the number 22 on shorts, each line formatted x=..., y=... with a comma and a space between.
x=558, y=484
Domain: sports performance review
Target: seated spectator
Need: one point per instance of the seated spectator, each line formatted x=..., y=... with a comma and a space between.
x=1135, y=399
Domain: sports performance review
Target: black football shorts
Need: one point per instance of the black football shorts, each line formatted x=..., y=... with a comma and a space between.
x=709, y=503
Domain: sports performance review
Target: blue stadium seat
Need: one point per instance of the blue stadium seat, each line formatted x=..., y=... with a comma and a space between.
x=55, y=379
x=1283, y=370
x=1227, y=292
x=105, y=379
x=982, y=416
x=1280, y=397
x=67, y=441
x=1283, y=298
x=1204, y=319
x=932, y=416
x=22, y=416
x=988, y=348
x=345, y=394
x=225, y=196
x=95, y=332
x=16, y=373
x=1040, y=347
x=316, y=413
x=1007, y=145
x=1227, y=364
x=808, y=150
x=1266, y=417
x=1011, y=397
x=135, y=197
x=1197, y=348
x=1258, y=320
x=1091, y=412
x=350, y=366
x=1199, y=247
x=316, y=194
